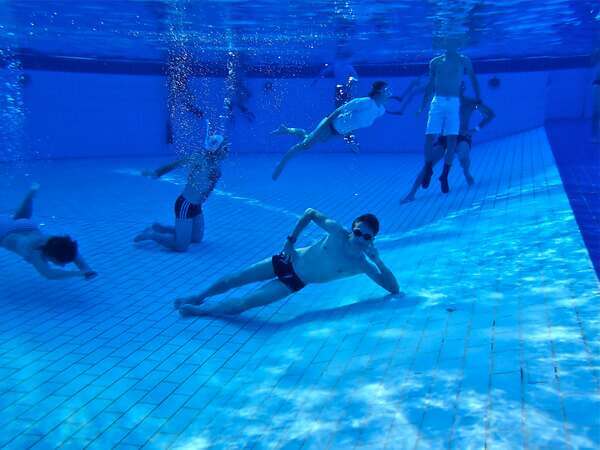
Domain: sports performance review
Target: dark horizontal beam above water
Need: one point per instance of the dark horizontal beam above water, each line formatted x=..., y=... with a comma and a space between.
x=35, y=61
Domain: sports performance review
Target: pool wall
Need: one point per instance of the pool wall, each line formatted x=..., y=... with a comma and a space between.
x=79, y=115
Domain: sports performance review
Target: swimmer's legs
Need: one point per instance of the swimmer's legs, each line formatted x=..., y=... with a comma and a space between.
x=272, y=291
x=261, y=271
x=319, y=134
x=198, y=228
x=428, y=167
x=164, y=229
x=450, y=150
x=437, y=154
x=25, y=209
x=178, y=241
x=463, y=153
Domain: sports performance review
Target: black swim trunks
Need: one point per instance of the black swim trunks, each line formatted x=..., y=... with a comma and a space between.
x=185, y=209
x=443, y=140
x=283, y=268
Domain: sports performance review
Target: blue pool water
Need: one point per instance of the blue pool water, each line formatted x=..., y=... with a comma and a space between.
x=495, y=342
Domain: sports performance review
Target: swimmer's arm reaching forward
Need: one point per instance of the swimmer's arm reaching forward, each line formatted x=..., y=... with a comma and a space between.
x=379, y=272
x=193, y=109
x=164, y=169
x=44, y=269
x=84, y=268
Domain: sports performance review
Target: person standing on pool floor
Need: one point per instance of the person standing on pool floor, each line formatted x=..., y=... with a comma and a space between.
x=358, y=113
x=21, y=235
x=204, y=173
x=339, y=254
x=468, y=105
x=445, y=78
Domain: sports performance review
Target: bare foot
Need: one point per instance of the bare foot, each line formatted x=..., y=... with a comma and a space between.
x=409, y=198
x=188, y=310
x=281, y=130
x=161, y=228
x=178, y=303
x=277, y=172
x=143, y=236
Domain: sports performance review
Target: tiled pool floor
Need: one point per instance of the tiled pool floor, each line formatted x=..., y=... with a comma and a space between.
x=495, y=344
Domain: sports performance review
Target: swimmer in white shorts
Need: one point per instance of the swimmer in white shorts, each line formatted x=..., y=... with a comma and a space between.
x=358, y=113
x=445, y=77
x=468, y=106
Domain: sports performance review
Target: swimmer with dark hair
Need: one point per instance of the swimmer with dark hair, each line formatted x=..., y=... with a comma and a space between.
x=358, y=113
x=204, y=171
x=341, y=253
x=20, y=235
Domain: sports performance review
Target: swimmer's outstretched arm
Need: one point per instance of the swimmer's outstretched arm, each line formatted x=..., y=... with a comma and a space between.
x=84, y=268
x=193, y=109
x=377, y=271
x=49, y=273
x=415, y=87
x=157, y=173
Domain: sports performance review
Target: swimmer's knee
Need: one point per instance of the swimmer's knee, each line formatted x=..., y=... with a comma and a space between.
x=224, y=283
x=304, y=144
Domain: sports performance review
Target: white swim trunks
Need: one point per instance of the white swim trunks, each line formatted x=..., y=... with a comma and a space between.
x=444, y=116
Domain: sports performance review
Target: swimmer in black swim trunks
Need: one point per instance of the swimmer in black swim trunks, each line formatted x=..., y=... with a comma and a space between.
x=464, y=140
x=204, y=173
x=339, y=254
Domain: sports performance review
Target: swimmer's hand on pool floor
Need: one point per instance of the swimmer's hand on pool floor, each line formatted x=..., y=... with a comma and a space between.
x=90, y=274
